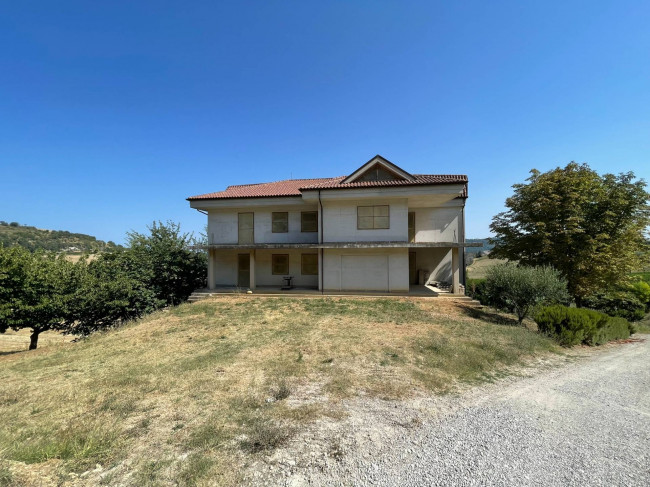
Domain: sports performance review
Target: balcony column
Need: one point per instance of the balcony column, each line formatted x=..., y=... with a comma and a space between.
x=212, y=267
x=252, y=270
x=455, y=270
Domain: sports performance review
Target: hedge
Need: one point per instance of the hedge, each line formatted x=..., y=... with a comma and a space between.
x=572, y=326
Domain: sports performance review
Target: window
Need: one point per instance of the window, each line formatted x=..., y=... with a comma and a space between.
x=373, y=217
x=280, y=222
x=309, y=265
x=309, y=221
x=411, y=226
x=280, y=264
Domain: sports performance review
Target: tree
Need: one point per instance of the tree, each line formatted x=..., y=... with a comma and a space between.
x=166, y=263
x=520, y=289
x=35, y=291
x=108, y=294
x=589, y=227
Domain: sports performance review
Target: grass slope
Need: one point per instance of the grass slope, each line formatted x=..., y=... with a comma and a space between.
x=480, y=266
x=188, y=396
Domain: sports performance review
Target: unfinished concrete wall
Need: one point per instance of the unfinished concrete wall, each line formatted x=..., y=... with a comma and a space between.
x=365, y=270
x=340, y=221
x=223, y=226
x=437, y=224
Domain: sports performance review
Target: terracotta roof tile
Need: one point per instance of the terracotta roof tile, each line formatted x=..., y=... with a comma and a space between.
x=420, y=179
x=288, y=187
x=293, y=187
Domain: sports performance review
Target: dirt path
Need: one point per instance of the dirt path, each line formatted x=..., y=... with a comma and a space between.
x=583, y=423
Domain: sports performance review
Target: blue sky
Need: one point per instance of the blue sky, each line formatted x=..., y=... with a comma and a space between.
x=112, y=113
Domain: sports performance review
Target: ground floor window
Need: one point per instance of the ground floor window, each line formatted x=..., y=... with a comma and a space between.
x=309, y=265
x=280, y=264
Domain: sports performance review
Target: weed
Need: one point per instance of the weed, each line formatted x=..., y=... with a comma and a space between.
x=281, y=391
x=264, y=434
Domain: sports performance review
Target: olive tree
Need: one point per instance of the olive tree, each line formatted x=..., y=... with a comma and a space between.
x=520, y=289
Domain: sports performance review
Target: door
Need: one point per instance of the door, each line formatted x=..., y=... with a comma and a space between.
x=246, y=224
x=243, y=270
x=411, y=226
x=364, y=273
x=413, y=274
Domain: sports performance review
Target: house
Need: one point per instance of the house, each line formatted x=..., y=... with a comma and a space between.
x=379, y=229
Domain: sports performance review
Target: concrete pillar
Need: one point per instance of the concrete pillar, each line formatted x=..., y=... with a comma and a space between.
x=320, y=269
x=252, y=270
x=212, y=267
x=455, y=270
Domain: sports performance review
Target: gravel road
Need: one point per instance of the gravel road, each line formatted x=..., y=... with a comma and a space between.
x=584, y=423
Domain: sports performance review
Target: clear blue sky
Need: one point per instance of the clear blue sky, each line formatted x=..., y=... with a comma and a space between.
x=112, y=113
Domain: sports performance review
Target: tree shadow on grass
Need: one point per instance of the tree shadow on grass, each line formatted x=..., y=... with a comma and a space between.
x=9, y=352
x=489, y=315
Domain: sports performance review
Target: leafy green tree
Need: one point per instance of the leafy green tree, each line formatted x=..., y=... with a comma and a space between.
x=166, y=263
x=109, y=293
x=520, y=289
x=589, y=227
x=35, y=291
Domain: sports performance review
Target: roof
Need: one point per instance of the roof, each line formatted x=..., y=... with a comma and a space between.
x=288, y=187
x=294, y=187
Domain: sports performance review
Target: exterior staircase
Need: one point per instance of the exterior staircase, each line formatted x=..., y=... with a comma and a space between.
x=461, y=299
x=200, y=294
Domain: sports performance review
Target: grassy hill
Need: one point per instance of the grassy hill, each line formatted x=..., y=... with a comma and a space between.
x=479, y=267
x=190, y=395
x=32, y=238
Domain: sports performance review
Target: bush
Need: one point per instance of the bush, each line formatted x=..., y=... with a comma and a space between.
x=519, y=289
x=572, y=326
x=622, y=303
x=476, y=289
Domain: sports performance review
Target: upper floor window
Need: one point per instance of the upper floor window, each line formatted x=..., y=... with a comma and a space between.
x=373, y=217
x=280, y=222
x=309, y=221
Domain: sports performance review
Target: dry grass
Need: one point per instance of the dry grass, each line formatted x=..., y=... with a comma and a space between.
x=479, y=267
x=188, y=395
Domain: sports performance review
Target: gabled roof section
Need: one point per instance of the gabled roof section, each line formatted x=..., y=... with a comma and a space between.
x=295, y=187
x=379, y=169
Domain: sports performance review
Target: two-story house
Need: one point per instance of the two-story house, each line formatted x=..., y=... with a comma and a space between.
x=379, y=229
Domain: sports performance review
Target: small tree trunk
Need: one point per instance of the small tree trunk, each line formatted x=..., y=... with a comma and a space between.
x=33, y=339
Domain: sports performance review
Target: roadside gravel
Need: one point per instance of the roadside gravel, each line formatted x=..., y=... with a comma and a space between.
x=585, y=422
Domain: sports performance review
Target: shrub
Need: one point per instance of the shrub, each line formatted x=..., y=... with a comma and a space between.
x=519, y=289
x=621, y=303
x=572, y=326
x=641, y=289
x=476, y=289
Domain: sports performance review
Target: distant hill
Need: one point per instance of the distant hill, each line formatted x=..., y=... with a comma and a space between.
x=32, y=238
x=475, y=250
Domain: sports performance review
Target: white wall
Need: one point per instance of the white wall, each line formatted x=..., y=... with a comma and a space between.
x=226, y=267
x=223, y=226
x=340, y=221
x=437, y=224
x=398, y=271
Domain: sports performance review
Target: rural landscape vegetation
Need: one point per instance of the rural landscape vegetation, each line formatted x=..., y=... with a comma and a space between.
x=126, y=383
